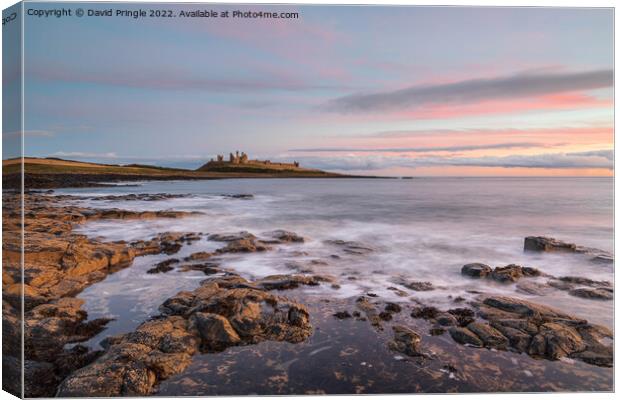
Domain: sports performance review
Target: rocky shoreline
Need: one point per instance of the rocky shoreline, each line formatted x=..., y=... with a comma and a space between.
x=227, y=310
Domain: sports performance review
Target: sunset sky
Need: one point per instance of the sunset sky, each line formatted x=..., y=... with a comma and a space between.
x=373, y=90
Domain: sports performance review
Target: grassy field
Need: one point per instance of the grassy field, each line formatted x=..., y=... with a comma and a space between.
x=53, y=172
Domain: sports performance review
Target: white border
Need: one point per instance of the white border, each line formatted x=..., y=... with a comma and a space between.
x=484, y=3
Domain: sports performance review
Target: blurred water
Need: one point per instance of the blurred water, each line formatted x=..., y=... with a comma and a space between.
x=421, y=229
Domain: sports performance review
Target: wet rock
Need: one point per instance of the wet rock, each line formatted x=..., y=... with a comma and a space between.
x=419, y=286
x=465, y=336
x=215, y=331
x=558, y=340
x=39, y=379
x=561, y=285
x=601, y=359
x=446, y=319
x=537, y=330
x=241, y=196
x=596, y=294
x=393, y=307
x=284, y=282
x=425, y=312
x=351, y=247
x=231, y=237
x=518, y=339
x=398, y=292
x=208, y=268
x=476, y=270
x=243, y=246
x=385, y=316
x=370, y=311
x=542, y=243
x=342, y=315
x=464, y=316
x=603, y=259
x=509, y=273
x=163, y=266
x=534, y=288
x=405, y=341
x=282, y=236
x=490, y=336
x=199, y=256
x=437, y=331
x=168, y=243
x=210, y=318
x=140, y=197
x=577, y=280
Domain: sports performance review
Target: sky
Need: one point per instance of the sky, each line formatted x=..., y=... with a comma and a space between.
x=408, y=91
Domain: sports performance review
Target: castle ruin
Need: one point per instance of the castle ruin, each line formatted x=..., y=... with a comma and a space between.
x=243, y=159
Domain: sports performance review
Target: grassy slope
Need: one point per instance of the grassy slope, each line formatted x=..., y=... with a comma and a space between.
x=44, y=166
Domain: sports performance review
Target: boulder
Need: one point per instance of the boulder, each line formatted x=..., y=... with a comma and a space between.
x=163, y=266
x=490, y=336
x=595, y=294
x=476, y=270
x=465, y=336
x=405, y=341
x=282, y=236
x=215, y=331
x=419, y=286
x=509, y=273
x=542, y=243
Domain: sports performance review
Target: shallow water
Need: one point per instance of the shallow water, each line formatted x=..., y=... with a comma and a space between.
x=420, y=230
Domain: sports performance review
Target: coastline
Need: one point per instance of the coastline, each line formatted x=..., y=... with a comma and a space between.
x=446, y=350
x=57, y=173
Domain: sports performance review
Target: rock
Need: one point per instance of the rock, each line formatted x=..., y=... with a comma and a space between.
x=419, y=286
x=518, y=339
x=602, y=359
x=393, y=307
x=199, y=256
x=215, y=331
x=405, y=341
x=163, y=266
x=537, y=330
x=243, y=246
x=560, y=340
x=534, y=288
x=40, y=379
x=282, y=236
x=541, y=243
x=577, y=280
x=561, y=285
x=241, y=196
x=509, y=273
x=284, y=282
x=168, y=243
x=425, y=312
x=446, y=319
x=603, y=259
x=231, y=237
x=596, y=294
x=208, y=268
x=139, y=197
x=351, y=247
x=465, y=336
x=342, y=315
x=464, y=316
x=211, y=318
x=476, y=270
x=490, y=336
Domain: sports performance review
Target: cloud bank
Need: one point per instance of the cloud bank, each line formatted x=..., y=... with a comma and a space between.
x=418, y=149
x=474, y=90
x=602, y=159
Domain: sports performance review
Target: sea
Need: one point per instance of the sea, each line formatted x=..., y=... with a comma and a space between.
x=421, y=229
